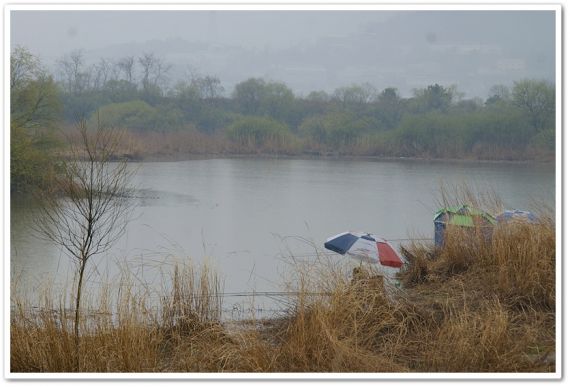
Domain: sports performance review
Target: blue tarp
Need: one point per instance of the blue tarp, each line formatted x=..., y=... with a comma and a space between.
x=517, y=215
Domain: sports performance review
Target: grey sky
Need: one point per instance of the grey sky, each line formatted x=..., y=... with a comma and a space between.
x=311, y=50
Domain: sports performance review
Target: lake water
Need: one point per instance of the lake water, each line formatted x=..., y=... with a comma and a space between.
x=246, y=216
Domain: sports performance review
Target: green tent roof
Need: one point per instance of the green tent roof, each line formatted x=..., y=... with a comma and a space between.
x=463, y=215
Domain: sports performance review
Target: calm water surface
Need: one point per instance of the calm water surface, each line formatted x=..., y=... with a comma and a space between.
x=245, y=215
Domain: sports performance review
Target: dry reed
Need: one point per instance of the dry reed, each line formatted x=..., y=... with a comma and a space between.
x=477, y=305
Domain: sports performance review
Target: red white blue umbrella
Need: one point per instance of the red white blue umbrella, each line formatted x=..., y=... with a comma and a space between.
x=367, y=248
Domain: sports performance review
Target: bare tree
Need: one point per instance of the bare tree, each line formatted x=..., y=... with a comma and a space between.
x=147, y=62
x=209, y=87
x=154, y=70
x=161, y=69
x=89, y=208
x=127, y=65
x=74, y=75
x=102, y=73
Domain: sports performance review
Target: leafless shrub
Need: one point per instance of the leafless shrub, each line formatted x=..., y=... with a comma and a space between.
x=87, y=209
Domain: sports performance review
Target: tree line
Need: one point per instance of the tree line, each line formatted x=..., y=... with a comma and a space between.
x=259, y=116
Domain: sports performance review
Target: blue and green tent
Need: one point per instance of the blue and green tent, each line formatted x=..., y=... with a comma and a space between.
x=461, y=216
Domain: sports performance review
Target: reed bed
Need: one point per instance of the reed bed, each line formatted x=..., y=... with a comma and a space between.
x=475, y=305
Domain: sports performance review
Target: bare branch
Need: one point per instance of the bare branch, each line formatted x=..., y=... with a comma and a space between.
x=88, y=208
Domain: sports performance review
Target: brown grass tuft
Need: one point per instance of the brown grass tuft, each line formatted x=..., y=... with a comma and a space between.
x=524, y=255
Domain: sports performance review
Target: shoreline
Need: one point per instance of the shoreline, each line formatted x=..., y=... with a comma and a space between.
x=269, y=156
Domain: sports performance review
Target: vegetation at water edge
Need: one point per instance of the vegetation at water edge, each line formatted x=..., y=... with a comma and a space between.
x=473, y=306
x=198, y=116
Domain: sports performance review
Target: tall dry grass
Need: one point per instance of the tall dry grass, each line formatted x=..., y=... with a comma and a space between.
x=473, y=306
x=525, y=258
x=354, y=329
x=477, y=305
x=123, y=332
x=496, y=295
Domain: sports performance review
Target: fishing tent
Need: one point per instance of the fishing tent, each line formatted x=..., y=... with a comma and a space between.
x=463, y=216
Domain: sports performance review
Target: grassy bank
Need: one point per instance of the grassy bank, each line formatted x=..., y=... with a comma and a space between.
x=191, y=143
x=473, y=306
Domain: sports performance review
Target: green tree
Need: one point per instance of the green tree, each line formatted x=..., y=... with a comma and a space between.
x=498, y=94
x=31, y=163
x=198, y=102
x=314, y=104
x=537, y=99
x=248, y=95
x=34, y=108
x=24, y=67
x=499, y=126
x=274, y=99
x=119, y=90
x=355, y=96
x=388, y=108
x=467, y=106
x=260, y=132
x=278, y=102
x=34, y=98
x=136, y=114
x=336, y=129
x=434, y=97
x=187, y=96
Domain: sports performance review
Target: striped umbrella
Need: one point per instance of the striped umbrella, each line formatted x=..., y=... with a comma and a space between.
x=367, y=248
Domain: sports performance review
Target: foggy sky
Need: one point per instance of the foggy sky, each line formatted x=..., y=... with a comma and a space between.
x=310, y=50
